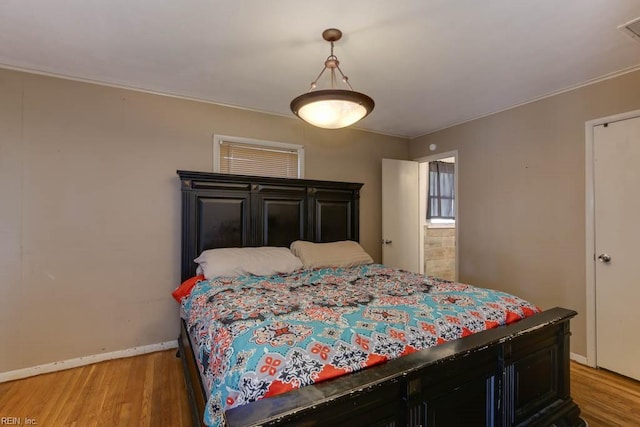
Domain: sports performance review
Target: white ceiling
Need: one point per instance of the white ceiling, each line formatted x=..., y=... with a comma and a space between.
x=428, y=64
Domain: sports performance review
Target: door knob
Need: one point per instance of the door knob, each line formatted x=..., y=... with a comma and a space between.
x=386, y=242
x=604, y=258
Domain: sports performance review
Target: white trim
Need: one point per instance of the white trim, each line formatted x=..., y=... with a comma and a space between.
x=432, y=158
x=175, y=95
x=450, y=224
x=219, y=139
x=422, y=210
x=578, y=358
x=531, y=101
x=599, y=79
x=85, y=360
x=590, y=275
x=590, y=238
x=135, y=89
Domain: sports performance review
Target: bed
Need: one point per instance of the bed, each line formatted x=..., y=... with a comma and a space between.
x=517, y=374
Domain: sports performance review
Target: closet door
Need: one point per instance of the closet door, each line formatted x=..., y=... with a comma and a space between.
x=616, y=153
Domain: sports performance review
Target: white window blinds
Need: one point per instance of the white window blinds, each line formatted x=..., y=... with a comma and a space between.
x=255, y=159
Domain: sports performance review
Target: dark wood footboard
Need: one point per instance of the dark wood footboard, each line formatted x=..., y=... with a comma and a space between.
x=508, y=376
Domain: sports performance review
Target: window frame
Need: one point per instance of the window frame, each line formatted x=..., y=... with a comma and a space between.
x=219, y=139
x=441, y=223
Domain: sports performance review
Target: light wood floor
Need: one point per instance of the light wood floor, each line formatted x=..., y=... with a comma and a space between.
x=606, y=399
x=149, y=391
x=145, y=390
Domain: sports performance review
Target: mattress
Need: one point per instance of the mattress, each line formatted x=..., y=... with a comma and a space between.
x=256, y=337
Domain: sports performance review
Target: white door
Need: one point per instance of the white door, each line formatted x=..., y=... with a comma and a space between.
x=616, y=154
x=400, y=215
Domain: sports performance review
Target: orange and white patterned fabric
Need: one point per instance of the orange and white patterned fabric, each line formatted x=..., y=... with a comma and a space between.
x=257, y=336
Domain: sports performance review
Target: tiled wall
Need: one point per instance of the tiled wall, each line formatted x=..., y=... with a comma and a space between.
x=440, y=252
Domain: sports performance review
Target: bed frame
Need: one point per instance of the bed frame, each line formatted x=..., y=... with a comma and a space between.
x=512, y=375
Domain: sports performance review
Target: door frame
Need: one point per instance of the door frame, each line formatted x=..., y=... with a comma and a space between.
x=433, y=158
x=590, y=236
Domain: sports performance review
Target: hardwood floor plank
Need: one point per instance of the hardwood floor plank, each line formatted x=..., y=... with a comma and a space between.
x=606, y=399
x=123, y=392
x=134, y=387
x=58, y=401
x=149, y=390
x=115, y=396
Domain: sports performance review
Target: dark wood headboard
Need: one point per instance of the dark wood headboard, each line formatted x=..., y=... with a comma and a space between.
x=221, y=211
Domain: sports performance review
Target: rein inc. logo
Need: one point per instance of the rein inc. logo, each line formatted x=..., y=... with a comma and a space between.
x=17, y=421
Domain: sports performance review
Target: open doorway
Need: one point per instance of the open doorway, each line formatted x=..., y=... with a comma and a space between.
x=439, y=215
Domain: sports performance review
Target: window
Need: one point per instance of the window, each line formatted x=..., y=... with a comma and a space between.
x=243, y=156
x=441, y=196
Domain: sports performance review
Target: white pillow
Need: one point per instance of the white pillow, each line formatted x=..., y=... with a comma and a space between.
x=263, y=261
x=346, y=253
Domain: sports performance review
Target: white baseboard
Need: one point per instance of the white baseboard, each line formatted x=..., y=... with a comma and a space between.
x=578, y=358
x=85, y=360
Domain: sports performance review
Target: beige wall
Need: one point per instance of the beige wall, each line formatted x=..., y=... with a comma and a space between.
x=90, y=214
x=87, y=264
x=521, y=194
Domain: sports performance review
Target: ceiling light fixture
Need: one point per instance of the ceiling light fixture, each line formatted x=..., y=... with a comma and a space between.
x=332, y=108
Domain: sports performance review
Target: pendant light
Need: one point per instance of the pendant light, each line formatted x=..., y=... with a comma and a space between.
x=332, y=108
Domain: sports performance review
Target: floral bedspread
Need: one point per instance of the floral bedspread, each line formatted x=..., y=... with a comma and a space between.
x=256, y=337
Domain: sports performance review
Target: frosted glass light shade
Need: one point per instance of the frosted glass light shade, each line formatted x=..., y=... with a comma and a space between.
x=332, y=108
